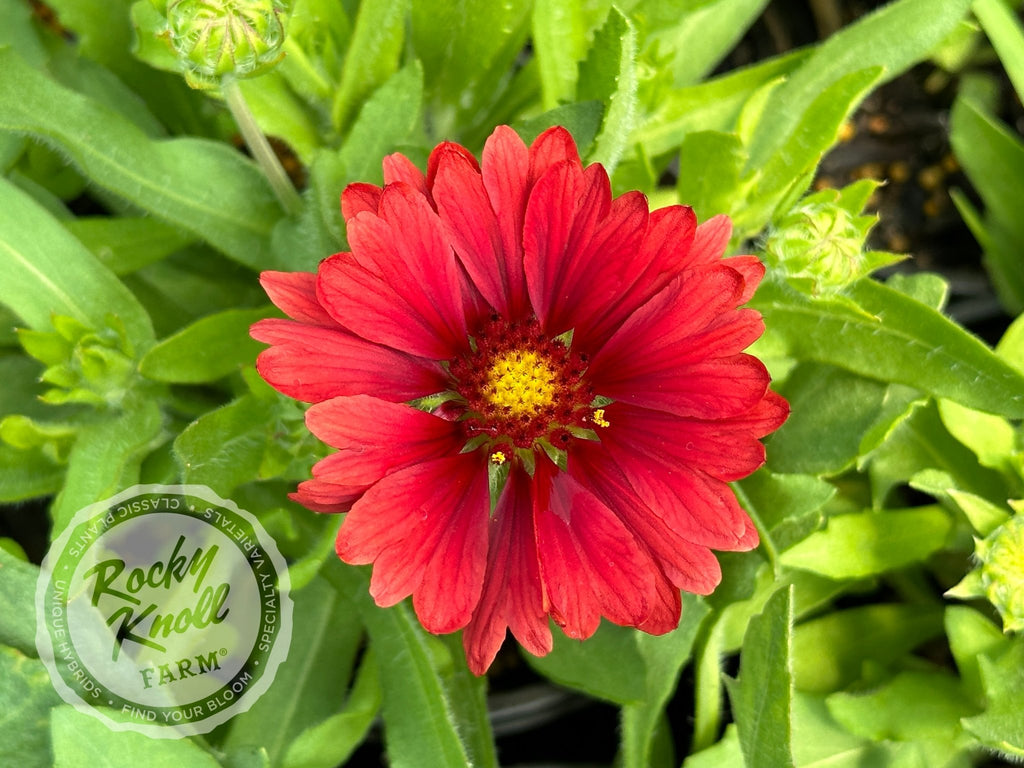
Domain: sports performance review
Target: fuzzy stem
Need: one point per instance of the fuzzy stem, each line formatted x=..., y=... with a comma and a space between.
x=708, y=694
x=260, y=147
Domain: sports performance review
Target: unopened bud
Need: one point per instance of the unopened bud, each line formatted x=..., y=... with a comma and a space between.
x=214, y=38
x=820, y=245
x=1002, y=571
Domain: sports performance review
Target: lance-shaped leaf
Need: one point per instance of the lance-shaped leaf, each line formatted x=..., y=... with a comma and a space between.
x=204, y=187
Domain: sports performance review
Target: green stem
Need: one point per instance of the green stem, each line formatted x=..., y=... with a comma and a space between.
x=260, y=148
x=770, y=551
x=707, y=712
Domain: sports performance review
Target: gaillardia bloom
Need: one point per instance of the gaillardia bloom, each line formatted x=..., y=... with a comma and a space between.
x=537, y=392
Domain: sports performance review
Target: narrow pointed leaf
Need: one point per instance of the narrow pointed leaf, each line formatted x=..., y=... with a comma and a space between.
x=894, y=38
x=204, y=187
x=896, y=339
x=762, y=696
x=46, y=271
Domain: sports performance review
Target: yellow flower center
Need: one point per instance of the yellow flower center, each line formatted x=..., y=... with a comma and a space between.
x=521, y=381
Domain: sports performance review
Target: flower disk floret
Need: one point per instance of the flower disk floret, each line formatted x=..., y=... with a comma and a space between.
x=537, y=392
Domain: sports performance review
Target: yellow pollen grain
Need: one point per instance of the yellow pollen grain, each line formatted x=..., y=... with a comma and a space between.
x=599, y=419
x=498, y=458
x=522, y=382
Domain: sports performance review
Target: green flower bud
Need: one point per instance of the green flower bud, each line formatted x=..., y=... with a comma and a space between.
x=1002, y=571
x=819, y=245
x=215, y=38
x=84, y=365
x=819, y=241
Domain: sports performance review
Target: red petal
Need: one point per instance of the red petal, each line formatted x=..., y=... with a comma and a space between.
x=590, y=563
x=505, y=168
x=752, y=270
x=655, y=263
x=687, y=562
x=693, y=505
x=360, y=198
x=312, y=363
x=512, y=595
x=678, y=352
x=326, y=497
x=709, y=242
x=728, y=449
x=465, y=209
x=444, y=148
x=375, y=437
x=667, y=608
x=398, y=167
x=599, y=268
x=711, y=389
x=425, y=530
x=401, y=285
x=548, y=226
x=553, y=146
x=295, y=294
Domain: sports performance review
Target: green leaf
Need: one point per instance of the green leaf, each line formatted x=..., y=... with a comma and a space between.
x=26, y=698
x=971, y=636
x=609, y=75
x=795, y=158
x=1001, y=725
x=896, y=339
x=125, y=244
x=101, y=85
x=411, y=677
x=18, y=603
x=922, y=442
x=385, y=120
x=859, y=545
x=664, y=658
x=309, y=687
x=893, y=38
x=559, y=42
x=703, y=36
x=991, y=438
x=607, y=666
x=105, y=459
x=82, y=741
x=762, y=695
x=331, y=742
x=993, y=158
x=467, y=695
x=712, y=106
x=582, y=119
x=710, y=163
x=820, y=742
x=206, y=350
x=27, y=474
x=372, y=56
x=833, y=411
x=829, y=652
x=47, y=272
x=201, y=186
x=788, y=506
x=1011, y=347
x=19, y=33
x=1004, y=30
x=303, y=570
x=224, y=448
x=466, y=65
x=726, y=753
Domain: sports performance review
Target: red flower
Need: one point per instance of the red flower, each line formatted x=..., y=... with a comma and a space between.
x=537, y=392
